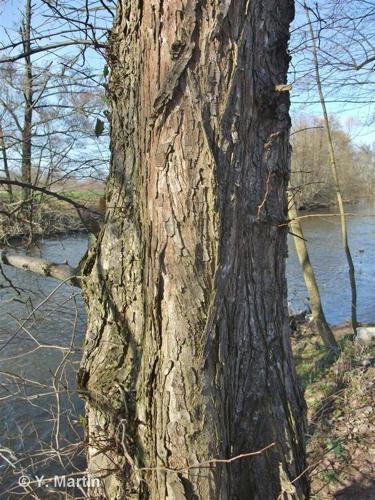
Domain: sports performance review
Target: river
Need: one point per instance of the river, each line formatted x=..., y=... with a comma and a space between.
x=323, y=235
x=41, y=414
x=41, y=332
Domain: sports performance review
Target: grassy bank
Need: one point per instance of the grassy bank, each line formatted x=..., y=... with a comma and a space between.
x=49, y=215
x=339, y=392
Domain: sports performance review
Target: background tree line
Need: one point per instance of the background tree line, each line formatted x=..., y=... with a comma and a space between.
x=52, y=114
x=311, y=175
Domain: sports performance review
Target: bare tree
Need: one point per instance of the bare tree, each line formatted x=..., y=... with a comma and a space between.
x=4, y=155
x=318, y=315
x=187, y=368
x=187, y=364
x=50, y=111
x=28, y=103
x=344, y=33
x=311, y=176
x=335, y=173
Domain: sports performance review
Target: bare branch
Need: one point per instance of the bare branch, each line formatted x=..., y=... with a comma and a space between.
x=62, y=272
x=364, y=63
x=52, y=46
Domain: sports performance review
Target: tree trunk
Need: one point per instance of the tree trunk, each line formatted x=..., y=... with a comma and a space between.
x=187, y=355
x=28, y=109
x=318, y=315
x=335, y=173
x=4, y=154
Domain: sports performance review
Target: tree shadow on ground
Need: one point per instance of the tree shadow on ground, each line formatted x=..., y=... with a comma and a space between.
x=358, y=490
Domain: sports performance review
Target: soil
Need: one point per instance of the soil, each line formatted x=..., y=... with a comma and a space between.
x=339, y=392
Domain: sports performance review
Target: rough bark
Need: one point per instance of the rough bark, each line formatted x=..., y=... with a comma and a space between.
x=187, y=356
x=318, y=315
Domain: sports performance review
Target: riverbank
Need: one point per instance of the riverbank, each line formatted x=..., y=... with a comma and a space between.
x=50, y=218
x=327, y=204
x=340, y=398
x=339, y=390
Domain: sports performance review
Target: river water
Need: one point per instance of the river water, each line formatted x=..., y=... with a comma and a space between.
x=323, y=235
x=42, y=324
x=40, y=340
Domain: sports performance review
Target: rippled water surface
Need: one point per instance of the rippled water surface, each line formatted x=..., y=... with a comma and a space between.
x=41, y=331
x=37, y=378
x=328, y=258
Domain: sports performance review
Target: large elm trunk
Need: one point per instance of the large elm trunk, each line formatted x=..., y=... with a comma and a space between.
x=187, y=357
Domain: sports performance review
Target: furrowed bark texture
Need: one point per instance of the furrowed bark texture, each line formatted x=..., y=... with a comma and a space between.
x=187, y=356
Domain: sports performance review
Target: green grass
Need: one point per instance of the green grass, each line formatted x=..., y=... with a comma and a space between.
x=78, y=195
x=4, y=196
x=312, y=363
x=329, y=476
x=315, y=360
x=337, y=446
x=82, y=195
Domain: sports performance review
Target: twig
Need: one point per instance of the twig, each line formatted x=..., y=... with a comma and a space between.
x=209, y=462
x=265, y=195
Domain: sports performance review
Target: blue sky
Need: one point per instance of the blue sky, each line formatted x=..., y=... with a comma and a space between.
x=345, y=33
x=10, y=18
x=355, y=117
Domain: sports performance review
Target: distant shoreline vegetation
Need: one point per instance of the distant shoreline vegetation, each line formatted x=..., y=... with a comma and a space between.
x=311, y=173
x=50, y=217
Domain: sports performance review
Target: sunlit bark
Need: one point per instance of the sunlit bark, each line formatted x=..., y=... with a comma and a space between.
x=187, y=355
